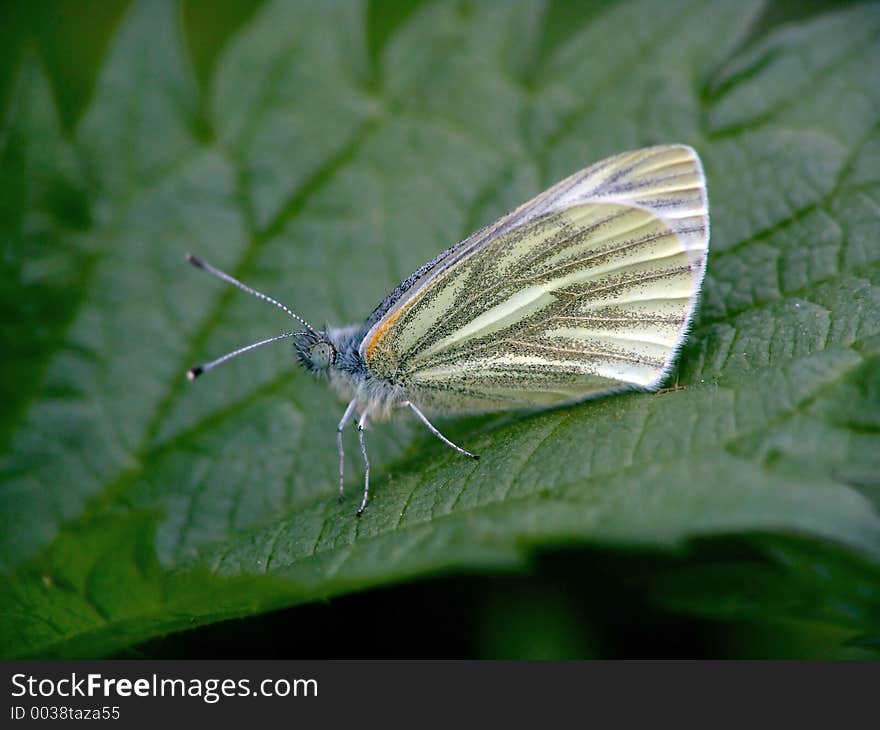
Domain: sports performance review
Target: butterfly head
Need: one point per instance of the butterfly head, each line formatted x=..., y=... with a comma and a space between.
x=315, y=351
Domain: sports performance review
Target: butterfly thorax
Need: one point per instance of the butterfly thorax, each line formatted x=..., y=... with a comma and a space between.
x=334, y=353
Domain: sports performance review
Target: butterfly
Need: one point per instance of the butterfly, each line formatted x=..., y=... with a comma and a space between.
x=585, y=290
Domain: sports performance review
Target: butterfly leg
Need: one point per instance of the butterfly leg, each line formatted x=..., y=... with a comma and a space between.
x=433, y=429
x=344, y=420
x=362, y=423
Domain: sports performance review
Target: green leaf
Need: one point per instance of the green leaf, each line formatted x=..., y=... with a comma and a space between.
x=323, y=165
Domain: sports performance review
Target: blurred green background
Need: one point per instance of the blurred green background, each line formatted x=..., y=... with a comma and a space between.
x=756, y=593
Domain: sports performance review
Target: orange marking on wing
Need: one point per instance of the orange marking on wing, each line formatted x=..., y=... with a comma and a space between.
x=375, y=339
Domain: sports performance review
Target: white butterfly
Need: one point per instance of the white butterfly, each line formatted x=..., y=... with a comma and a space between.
x=587, y=289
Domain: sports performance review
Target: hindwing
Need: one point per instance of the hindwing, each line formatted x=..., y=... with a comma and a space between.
x=585, y=289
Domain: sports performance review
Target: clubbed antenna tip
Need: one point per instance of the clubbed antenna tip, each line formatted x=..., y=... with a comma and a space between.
x=195, y=261
x=193, y=373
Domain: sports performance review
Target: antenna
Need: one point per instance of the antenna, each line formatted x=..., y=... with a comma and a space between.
x=193, y=373
x=205, y=266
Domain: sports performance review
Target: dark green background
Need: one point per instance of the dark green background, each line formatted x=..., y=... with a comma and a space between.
x=753, y=594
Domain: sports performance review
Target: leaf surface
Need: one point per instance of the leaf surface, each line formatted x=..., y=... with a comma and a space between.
x=324, y=171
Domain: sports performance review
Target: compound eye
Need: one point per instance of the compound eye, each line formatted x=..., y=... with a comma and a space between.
x=322, y=355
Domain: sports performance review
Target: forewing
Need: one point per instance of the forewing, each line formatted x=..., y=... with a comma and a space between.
x=587, y=288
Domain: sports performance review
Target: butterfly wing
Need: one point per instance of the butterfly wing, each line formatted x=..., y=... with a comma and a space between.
x=585, y=289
